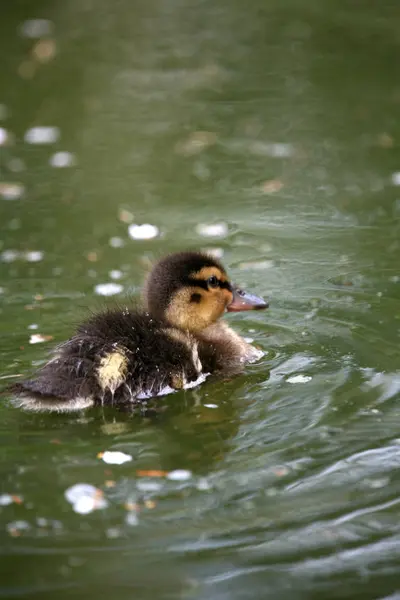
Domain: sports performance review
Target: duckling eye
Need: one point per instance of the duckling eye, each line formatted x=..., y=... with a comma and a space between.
x=213, y=282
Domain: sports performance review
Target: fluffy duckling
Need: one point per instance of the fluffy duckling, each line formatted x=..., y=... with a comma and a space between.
x=123, y=356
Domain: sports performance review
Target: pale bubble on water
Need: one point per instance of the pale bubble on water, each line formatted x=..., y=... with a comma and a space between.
x=143, y=232
x=36, y=28
x=299, y=379
x=62, y=160
x=212, y=230
x=33, y=255
x=4, y=136
x=42, y=135
x=11, y=191
x=179, y=475
x=116, y=242
x=108, y=289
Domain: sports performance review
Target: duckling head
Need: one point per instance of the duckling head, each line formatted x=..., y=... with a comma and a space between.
x=191, y=291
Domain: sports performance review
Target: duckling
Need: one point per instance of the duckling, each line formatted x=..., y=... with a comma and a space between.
x=124, y=356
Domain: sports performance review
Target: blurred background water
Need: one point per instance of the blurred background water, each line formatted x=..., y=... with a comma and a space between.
x=269, y=133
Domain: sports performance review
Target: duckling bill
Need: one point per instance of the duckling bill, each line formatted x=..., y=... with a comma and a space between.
x=124, y=356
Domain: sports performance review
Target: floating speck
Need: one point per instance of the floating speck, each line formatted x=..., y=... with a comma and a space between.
x=4, y=136
x=396, y=178
x=299, y=379
x=258, y=265
x=33, y=326
x=44, y=50
x=9, y=256
x=212, y=230
x=113, y=533
x=179, y=475
x=249, y=340
x=85, y=498
x=211, y=405
x=38, y=338
x=115, y=457
x=203, y=485
x=277, y=150
x=108, y=289
x=15, y=528
x=6, y=499
x=149, y=485
x=126, y=216
x=36, y=28
x=214, y=252
x=42, y=135
x=62, y=159
x=143, y=232
x=131, y=519
x=271, y=186
x=33, y=256
x=196, y=143
x=11, y=191
x=115, y=274
x=116, y=242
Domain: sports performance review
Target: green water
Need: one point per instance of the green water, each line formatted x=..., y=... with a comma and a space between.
x=279, y=120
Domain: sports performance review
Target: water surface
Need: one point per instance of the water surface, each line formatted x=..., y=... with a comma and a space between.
x=279, y=123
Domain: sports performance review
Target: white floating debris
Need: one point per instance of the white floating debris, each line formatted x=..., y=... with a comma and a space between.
x=38, y=338
x=108, y=289
x=299, y=379
x=42, y=135
x=115, y=457
x=203, y=485
x=33, y=255
x=179, y=475
x=211, y=405
x=275, y=150
x=249, y=340
x=36, y=28
x=396, y=178
x=143, y=232
x=11, y=191
x=148, y=486
x=215, y=252
x=85, y=498
x=15, y=527
x=3, y=136
x=9, y=256
x=62, y=159
x=6, y=499
x=115, y=274
x=33, y=326
x=258, y=265
x=116, y=242
x=131, y=519
x=212, y=230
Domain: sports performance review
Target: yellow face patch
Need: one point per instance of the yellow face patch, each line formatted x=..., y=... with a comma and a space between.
x=112, y=370
x=195, y=315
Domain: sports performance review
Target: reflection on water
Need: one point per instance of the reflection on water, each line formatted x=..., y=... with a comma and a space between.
x=269, y=136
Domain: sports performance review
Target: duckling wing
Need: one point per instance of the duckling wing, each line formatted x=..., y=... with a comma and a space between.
x=116, y=357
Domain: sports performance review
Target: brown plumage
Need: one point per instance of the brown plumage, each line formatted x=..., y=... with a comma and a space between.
x=124, y=356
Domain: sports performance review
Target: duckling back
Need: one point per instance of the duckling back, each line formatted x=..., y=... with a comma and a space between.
x=117, y=357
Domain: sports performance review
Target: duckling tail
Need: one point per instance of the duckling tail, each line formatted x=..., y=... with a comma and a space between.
x=25, y=396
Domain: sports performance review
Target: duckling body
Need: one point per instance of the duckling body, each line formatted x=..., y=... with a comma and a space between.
x=124, y=356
